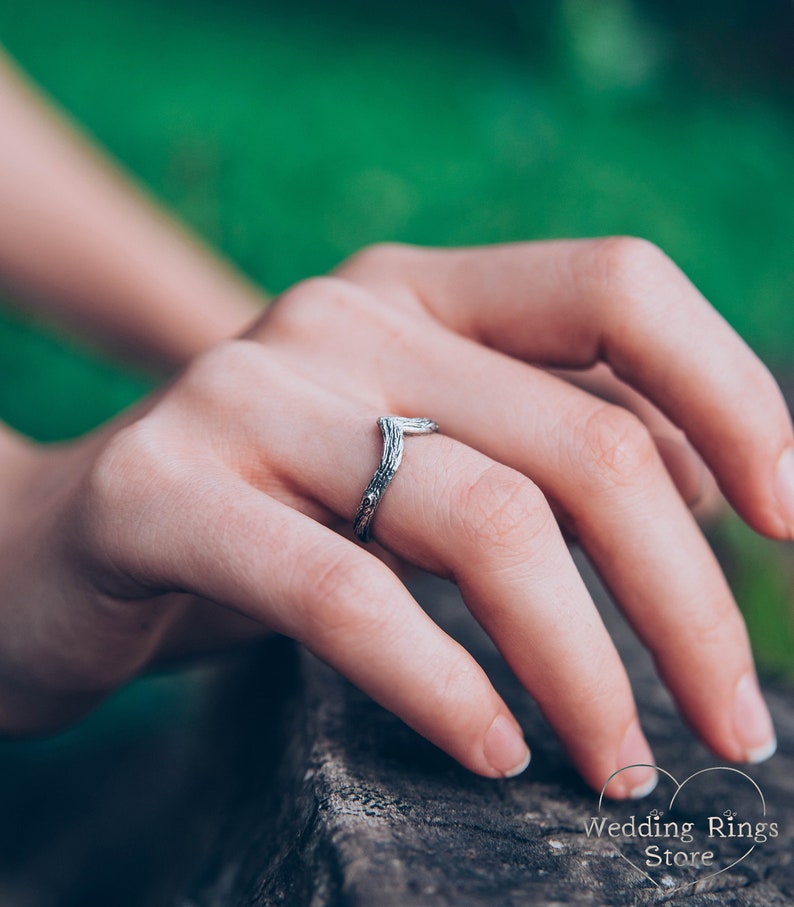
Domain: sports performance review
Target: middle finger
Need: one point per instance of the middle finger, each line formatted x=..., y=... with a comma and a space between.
x=455, y=511
x=600, y=466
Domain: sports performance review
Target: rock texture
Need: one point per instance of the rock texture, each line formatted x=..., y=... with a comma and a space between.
x=274, y=782
x=332, y=801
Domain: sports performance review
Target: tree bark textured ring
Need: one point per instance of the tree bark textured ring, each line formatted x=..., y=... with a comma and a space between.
x=393, y=429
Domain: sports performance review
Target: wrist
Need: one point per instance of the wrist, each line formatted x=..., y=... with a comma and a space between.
x=42, y=686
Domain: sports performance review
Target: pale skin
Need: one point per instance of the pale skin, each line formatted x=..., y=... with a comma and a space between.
x=220, y=508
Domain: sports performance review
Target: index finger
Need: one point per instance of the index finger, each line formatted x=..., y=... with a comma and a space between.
x=571, y=303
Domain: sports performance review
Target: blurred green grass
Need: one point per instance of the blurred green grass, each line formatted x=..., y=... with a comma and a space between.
x=291, y=135
x=762, y=579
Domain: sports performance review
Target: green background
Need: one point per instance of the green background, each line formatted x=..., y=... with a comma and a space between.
x=290, y=135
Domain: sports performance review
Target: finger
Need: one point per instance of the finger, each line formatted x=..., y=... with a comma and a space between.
x=455, y=512
x=240, y=548
x=309, y=446
x=599, y=464
x=692, y=477
x=573, y=303
x=460, y=513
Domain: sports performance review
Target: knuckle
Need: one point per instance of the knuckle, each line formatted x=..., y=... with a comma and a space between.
x=615, y=448
x=596, y=691
x=452, y=686
x=330, y=321
x=218, y=383
x=618, y=269
x=620, y=260
x=339, y=600
x=307, y=310
x=717, y=631
x=378, y=259
x=130, y=453
x=503, y=509
x=322, y=291
x=126, y=487
x=209, y=376
x=393, y=271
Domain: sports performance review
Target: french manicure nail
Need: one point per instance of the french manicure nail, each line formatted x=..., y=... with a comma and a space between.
x=784, y=488
x=505, y=748
x=642, y=778
x=751, y=720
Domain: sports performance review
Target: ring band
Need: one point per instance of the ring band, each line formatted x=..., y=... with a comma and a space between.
x=393, y=429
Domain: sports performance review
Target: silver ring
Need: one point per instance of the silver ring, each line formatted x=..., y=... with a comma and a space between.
x=393, y=429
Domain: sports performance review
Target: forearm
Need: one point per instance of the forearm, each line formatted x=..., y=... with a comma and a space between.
x=78, y=241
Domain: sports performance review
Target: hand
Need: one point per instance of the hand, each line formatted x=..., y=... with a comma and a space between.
x=238, y=484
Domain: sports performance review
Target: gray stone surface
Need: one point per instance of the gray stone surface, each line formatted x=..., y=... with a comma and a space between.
x=330, y=800
x=268, y=780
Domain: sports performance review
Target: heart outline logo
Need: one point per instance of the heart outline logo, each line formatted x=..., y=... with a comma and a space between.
x=678, y=788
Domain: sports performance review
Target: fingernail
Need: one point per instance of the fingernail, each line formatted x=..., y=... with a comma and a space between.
x=751, y=720
x=642, y=778
x=505, y=748
x=784, y=487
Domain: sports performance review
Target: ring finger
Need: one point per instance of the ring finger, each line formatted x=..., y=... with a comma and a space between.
x=457, y=512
